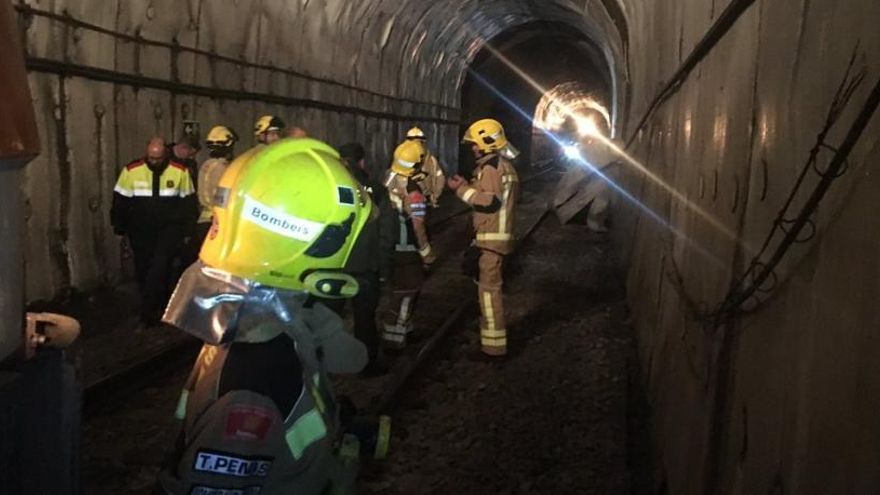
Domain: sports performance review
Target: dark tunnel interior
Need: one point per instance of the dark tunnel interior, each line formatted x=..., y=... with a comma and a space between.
x=671, y=290
x=510, y=75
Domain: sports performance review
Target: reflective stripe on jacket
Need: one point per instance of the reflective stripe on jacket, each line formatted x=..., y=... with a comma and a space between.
x=411, y=206
x=143, y=199
x=435, y=180
x=493, y=195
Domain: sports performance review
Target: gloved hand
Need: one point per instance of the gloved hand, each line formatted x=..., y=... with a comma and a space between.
x=455, y=182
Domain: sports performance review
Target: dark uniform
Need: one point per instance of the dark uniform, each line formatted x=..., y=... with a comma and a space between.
x=153, y=208
x=370, y=263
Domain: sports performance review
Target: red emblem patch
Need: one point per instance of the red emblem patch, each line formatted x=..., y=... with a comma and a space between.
x=248, y=423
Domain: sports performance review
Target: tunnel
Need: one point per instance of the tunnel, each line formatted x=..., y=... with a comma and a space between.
x=744, y=185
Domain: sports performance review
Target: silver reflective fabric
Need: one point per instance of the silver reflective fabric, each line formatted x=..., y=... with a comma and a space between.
x=509, y=151
x=211, y=304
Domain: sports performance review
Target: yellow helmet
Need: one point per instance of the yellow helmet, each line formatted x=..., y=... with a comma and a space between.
x=221, y=137
x=268, y=123
x=288, y=216
x=415, y=133
x=408, y=158
x=487, y=134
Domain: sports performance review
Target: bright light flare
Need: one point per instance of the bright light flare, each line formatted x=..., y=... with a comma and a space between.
x=626, y=158
x=587, y=127
x=572, y=152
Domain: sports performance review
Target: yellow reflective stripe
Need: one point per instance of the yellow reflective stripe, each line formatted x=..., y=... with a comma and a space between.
x=316, y=394
x=180, y=412
x=493, y=334
x=490, y=342
x=308, y=429
x=425, y=251
x=488, y=311
x=168, y=192
x=493, y=237
x=505, y=179
x=124, y=191
x=468, y=194
x=502, y=215
x=383, y=438
x=403, y=316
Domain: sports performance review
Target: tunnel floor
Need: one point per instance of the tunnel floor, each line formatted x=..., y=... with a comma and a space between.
x=561, y=415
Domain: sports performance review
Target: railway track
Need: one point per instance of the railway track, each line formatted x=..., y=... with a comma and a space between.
x=437, y=311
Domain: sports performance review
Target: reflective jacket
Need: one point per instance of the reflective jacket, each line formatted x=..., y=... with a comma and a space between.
x=259, y=415
x=209, y=176
x=435, y=180
x=148, y=200
x=493, y=194
x=411, y=206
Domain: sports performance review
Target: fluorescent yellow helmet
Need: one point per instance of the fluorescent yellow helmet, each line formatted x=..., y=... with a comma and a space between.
x=268, y=123
x=221, y=137
x=415, y=133
x=288, y=216
x=408, y=157
x=487, y=134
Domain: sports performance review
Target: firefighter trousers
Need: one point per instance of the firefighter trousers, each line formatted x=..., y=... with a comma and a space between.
x=493, y=335
x=154, y=252
x=406, y=283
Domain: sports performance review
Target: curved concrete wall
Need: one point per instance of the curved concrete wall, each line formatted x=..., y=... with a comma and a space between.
x=783, y=400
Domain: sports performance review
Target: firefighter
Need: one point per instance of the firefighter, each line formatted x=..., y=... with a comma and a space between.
x=493, y=195
x=268, y=129
x=220, y=143
x=370, y=264
x=435, y=180
x=258, y=412
x=221, y=146
x=153, y=206
x=413, y=255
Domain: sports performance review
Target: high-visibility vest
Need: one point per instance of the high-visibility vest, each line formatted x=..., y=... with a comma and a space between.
x=137, y=181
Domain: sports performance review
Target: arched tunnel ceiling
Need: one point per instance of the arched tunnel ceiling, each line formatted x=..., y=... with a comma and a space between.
x=344, y=70
x=367, y=43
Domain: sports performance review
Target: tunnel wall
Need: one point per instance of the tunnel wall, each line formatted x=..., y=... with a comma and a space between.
x=107, y=75
x=782, y=399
